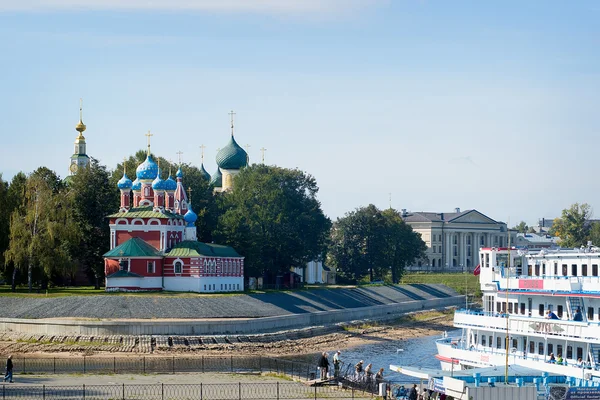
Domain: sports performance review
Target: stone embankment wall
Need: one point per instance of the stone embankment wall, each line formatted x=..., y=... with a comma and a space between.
x=214, y=315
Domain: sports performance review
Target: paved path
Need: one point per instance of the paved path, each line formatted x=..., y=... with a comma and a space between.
x=173, y=387
x=236, y=306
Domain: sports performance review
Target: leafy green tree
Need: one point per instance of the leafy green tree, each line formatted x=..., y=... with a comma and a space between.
x=370, y=242
x=14, y=197
x=402, y=245
x=273, y=217
x=521, y=227
x=41, y=229
x=5, y=211
x=595, y=233
x=93, y=199
x=573, y=227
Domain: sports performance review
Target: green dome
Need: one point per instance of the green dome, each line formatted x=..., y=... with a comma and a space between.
x=232, y=156
x=217, y=179
x=204, y=174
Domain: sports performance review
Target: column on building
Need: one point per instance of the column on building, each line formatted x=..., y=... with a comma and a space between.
x=449, y=250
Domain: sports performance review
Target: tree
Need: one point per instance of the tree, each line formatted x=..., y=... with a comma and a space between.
x=273, y=218
x=370, y=242
x=595, y=233
x=41, y=229
x=403, y=245
x=5, y=211
x=573, y=227
x=93, y=198
x=521, y=227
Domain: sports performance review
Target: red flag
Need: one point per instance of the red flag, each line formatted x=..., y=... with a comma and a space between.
x=477, y=270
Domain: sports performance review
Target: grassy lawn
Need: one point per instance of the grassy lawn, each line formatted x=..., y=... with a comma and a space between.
x=460, y=282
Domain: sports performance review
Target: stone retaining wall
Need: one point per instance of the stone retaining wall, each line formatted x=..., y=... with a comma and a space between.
x=217, y=327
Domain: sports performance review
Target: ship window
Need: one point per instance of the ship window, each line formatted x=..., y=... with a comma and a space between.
x=487, y=260
x=594, y=269
x=559, y=311
x=529, y=270
x=584, y=270
x=579, y=352
x=504, y=307
x=550, y=348
x=574, y=269
x=590, y=313
x=490, y=342
x=598, y=313
x=532, y=346
x=564, y=269
x=510, y=308
x=559, y=349
x=569, y=352
x=541, y=310
x=483, y=340
x=498, y=342
x=541, y=348
x=537, y=269
x=515, y=343
x=516, y=308
x=497, y=306
x=544, y=269
x=523, y=308
x=555, y=269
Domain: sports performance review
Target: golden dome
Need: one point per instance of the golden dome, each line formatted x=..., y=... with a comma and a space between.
x=80, y=127
x=80, y=138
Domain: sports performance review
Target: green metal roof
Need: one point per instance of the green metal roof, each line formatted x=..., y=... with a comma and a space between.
x=134, y=247
x=124, y=274
x=191, y=248
x=145, y=212
x=232, y=156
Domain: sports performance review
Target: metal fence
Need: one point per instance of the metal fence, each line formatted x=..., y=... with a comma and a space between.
x=163, y=365
x=214, y=391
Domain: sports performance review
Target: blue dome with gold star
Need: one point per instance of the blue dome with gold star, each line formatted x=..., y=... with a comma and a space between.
x=170, y=184
x=158, y=183
x=136, y=185
x=232, y=156
x=148, y=170
x=124, y=182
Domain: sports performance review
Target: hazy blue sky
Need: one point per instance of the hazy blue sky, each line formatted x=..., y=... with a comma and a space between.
x=444, y=104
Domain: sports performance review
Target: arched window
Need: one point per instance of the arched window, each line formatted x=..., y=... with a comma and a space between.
x=178, y=267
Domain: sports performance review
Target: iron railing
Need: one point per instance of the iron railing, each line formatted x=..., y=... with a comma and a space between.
x=202, y=391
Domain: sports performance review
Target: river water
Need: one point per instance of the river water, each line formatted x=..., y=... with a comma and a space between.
x=417, y=352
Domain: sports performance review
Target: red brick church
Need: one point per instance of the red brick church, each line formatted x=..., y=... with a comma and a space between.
x=153, y=243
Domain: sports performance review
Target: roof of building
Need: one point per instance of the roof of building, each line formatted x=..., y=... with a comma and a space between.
x=217, y=179
x=204, y=173
x=134, y=247
x=145, y=212
x=425, y=216
x=124, y=274
x=191, y=248
x=232, y=156
x=148, y=170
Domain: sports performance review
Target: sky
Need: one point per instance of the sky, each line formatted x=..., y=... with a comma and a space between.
x=474, y=104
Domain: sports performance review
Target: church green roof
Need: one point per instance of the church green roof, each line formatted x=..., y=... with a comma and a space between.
x=145, y=212
x=124, y=274
x=134, y=247
x=232, y=156
x=195, y=249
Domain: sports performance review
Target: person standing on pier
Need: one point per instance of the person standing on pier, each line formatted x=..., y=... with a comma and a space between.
x=324, y=366
x=359, y=370
x=336, y=364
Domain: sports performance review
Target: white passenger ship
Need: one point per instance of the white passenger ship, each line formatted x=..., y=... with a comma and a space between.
x=516, y=300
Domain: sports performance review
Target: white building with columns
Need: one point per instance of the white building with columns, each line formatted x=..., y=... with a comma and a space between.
x=453, y=239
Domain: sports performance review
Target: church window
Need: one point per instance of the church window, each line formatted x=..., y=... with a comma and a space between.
x=176, y=203
x=178, y=267
x=468, y=240
x=238, y=286
x=221, y=286
x=455, y=239
x=124, y=265
x=150, y=269
x=204, y=287
x=146, y=191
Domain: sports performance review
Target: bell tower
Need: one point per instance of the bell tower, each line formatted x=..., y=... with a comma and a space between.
x=79, y=159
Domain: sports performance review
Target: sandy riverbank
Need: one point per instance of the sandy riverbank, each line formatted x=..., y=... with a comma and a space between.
x=407, y=327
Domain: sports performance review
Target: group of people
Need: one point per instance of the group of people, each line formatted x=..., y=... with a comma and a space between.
x=365, y=374
x=578, y=316
x=403, y=393
x=362, y=373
